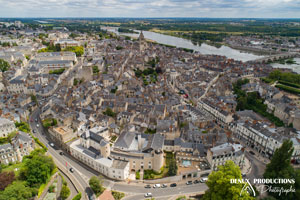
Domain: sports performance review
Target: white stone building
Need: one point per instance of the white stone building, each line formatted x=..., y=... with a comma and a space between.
x=220, y=154
x=93, y=150
x=6, y=127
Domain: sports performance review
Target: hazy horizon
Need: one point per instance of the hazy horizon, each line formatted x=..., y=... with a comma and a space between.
x=282, y=9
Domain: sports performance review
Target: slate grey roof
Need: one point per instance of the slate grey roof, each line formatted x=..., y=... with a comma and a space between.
x=17, y=80
x=23, y=137
x=92, y=136
x=156, y=142
x=92, y=152
x=125, y=139
x=5, y=146
x=4, y=121
x=119, y=164
x=55, y=62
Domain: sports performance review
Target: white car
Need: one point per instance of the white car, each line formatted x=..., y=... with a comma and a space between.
x=203, y=180
x=51, y=144
x=149, y=194
x=156, y=186
x=37, y=125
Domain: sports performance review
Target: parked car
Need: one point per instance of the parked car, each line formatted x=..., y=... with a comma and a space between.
x=149, y=194
x=33, y=131
x=51, y=144
x=204, y=175
x=36, y=120
x=189, y=182
x=61, y=153
x=243, y=175
x=173, y=185
x=252, y=153
x=37, y=125
x=203, y=180
x=147, y=186
x=196, y=181
x=71, y=170
x=164, y=186
x=156, y=186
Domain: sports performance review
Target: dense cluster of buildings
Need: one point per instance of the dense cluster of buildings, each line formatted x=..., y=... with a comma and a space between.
x=125, y=103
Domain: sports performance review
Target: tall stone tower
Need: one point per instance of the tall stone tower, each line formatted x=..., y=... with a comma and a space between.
x=142, y=42
x=158, y=160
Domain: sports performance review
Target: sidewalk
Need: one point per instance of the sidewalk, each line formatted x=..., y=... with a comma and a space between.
x=53, y=178
x=247, y=167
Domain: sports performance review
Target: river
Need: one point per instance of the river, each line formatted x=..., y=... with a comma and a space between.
x=184, y=43
x=295, y=67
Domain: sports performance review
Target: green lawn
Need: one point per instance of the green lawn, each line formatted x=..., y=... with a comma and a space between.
x=13, y=167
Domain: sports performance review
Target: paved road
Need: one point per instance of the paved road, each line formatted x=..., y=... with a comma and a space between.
x=73, y=190
x=166, y=193
x=213, y=81
x=58, y=159
x=257, y=167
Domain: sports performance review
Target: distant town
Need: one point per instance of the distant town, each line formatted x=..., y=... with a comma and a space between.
x=92, y=111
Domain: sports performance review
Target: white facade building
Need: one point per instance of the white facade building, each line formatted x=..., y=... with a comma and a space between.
x=6, y=127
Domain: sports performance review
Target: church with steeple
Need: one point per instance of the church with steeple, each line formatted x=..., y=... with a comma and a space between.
x=142, y=42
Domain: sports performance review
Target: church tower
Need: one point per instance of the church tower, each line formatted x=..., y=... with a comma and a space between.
x=142, y=42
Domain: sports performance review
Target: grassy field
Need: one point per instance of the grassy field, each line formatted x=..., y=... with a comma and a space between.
x=170, y=32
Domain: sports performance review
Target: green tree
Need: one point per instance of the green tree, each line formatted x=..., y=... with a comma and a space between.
x=95, y=69
x=79, y=50
x=37, y=168
x=280, y=168
x=117, y=195
x=17, y=191
x=109, y=112
x=172, y=167
x=33, y=98
x=65, y=192
x=220, y=187
x=77, y=197
x=23, y=126
x=96, y=185
x=4, y=66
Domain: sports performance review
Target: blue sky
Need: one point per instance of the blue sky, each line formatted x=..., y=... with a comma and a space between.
x=151, y=8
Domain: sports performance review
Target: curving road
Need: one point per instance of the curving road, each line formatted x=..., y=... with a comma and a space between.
x=59, y=160
x=257, y=167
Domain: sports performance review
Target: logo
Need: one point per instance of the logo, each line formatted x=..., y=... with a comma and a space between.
x=264, y=186
x=248, y=188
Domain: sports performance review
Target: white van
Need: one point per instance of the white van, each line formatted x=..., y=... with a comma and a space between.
x=156, y=186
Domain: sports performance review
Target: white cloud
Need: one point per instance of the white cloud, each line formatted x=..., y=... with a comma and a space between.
x=150, y=8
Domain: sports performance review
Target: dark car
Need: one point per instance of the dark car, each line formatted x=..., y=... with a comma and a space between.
x=61, y=153
x=33, y=131
x=189, y=182
x=71, y=170
x=173, y=185
x=252, y=153
x=147, y=186
x=196, y=181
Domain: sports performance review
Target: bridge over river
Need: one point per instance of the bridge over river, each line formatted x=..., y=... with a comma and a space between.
x=276, y=57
